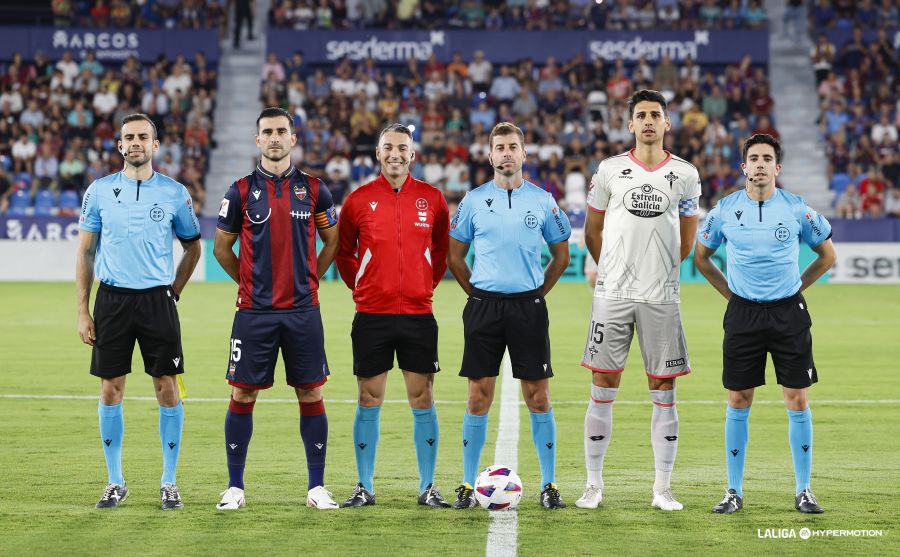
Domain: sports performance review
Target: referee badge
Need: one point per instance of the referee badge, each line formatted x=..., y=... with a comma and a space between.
x=300, y=192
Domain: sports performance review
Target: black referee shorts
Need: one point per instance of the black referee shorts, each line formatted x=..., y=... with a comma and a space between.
x=780, y=328
x=494, y=322
x=123, y=316
x=377, y=336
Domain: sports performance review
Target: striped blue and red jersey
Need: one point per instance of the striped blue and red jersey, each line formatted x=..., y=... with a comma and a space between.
x=276, y=218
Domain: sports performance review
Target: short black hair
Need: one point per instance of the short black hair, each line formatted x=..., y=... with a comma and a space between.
x=648, y=95
x=273, y=112
x=395, y=128
x=766, y=139
x=137, y=116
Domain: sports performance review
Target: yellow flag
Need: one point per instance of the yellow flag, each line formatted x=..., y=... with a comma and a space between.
x=182, y=391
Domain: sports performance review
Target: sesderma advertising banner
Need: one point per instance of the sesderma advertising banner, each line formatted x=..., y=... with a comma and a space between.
x=396, y=47
x=109, y=44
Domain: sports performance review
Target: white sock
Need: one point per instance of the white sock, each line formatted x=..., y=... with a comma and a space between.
x=663, y=437
x=597, y=431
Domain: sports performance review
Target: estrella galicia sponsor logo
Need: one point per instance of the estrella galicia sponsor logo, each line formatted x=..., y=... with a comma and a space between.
x=676, y=362
x=531, y=221
x=782, y=234
x=157, y=214
x=646, y=201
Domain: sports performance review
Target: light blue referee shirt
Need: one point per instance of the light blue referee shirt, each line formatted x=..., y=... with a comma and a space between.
x=507, y=229
x=762, y=241
x=136, y=221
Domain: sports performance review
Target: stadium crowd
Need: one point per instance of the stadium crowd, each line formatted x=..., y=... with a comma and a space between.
x=518, y=14
x=58, y=119
x=573, y=113
x=859, y=99
x=59, y=122
x=145, y=14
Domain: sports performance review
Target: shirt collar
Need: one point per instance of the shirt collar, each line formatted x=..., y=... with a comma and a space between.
x=271, y=176
x=383, y=180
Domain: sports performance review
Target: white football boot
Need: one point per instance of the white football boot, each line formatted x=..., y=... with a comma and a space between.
x=232, y=499
x=593, y=496
x=666, y=501
x=320, y=498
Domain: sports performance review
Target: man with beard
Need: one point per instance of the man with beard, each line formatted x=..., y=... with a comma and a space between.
x=393, y=253
x=276, y=211
x=507, y=221
x=640, y=226
x=135, y=213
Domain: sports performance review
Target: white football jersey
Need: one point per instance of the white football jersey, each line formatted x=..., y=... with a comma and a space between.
x=640, y=259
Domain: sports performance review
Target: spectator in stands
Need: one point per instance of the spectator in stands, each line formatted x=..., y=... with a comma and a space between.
x=764, y=126
x=46, y=170
x=243, y=11
x=32, y=115
x=871, y=194
x=884, y=131
x=480, y=72
x=273, y=67
x=505, y=87
x=822, y=56
x=891, y=201
x=847, y=205
x=71, y=171
x=666, y=75
x=854, y=50
x=178, y=83
x=23, y=152
x=890, y=168
x=6, y=189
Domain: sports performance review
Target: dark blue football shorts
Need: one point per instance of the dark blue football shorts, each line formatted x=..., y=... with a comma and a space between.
x=256, y=337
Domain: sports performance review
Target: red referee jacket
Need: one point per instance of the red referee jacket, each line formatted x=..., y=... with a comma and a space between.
x=393, y=248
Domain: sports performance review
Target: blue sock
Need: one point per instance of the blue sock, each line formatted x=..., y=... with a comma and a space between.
x=800, y=436
x=112, y=431
x=474, y=436
x=314, y=433
x=238, y=431
x=737, y=433
x=366, y=431
x=543, y=433
x=425, y=436
x=171, y=424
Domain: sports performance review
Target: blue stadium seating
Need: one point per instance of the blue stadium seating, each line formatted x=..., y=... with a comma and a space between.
x=69, y=201
x=839, y=182
x=19, y=204
x=44, y=202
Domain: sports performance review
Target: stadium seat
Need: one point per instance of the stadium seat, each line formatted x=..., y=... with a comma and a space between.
x=839, y=182
x=69, y=204
x=23, y=177
x=44, y=203
x=576, y=216
x=19, y=203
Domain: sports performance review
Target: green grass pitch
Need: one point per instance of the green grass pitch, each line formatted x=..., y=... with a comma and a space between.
x=53, y=467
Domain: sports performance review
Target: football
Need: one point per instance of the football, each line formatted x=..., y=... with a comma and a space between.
x=498, y=487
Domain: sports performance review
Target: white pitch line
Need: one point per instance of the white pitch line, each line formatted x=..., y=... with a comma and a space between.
x=836, y=402
x=503, y=531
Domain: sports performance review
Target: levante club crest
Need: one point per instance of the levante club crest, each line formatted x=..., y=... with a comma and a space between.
x=300, y=192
